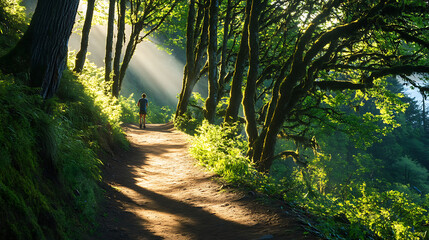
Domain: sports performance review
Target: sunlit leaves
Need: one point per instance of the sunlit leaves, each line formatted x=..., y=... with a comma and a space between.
x=100, y=14
x=355, y=211
x=172, y=33
x=218, y=151
x=13, y=22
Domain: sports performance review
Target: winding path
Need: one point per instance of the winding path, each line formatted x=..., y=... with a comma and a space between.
x=157, y=191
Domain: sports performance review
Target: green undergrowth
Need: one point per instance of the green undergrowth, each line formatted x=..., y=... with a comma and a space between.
x=193, y=118
x=187, y=124
x=155, y=113
x=49, y=154
x=358, y=212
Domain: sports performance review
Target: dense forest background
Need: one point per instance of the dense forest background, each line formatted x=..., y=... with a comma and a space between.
x=306, y=101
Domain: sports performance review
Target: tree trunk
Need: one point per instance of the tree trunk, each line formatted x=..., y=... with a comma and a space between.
x=189, y=81
x=211, y=102
x=150, y=18
x=194, y=54
x=252, y=75
x=224, y=55
x=141, y=20
x=292, y=89
x=109, y=41
x=81, y=55
x=236, y=94
x=118, y=49
x=291, y=93
x=129, y=52
x=182, y=105
x=43, y=48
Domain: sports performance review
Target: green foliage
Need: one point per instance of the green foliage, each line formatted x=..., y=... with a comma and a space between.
x=117, y=111
x=129, y=109
x=388, y=215
x=13, y=24
x=19, y=166
x=171, y=33
x=408, y=171
x=359, y=181
x=221, y=149
x=187, y=124
x=217, y=150
x=365, y=116
x=100, y=15
x=155, y=113
x=98, y=96
x=193, y=118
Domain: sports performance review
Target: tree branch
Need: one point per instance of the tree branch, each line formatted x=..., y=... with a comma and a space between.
x=404, y=69
x=339, y=85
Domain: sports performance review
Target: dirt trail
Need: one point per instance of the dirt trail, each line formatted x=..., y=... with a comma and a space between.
x=156, y=191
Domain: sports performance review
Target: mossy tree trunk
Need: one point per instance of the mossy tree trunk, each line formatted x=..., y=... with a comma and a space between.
x=196, y=45
x=211, y=101
x=236, y=93
x=252, y=75
x=223, y=75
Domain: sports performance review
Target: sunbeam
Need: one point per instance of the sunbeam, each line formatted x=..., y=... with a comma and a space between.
x=151, y=70
x=155, y=72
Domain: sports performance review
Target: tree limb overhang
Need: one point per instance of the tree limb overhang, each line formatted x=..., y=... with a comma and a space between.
x=367, y=82
x=339, y=85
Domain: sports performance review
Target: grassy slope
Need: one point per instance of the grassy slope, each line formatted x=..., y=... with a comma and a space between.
x=49, y=167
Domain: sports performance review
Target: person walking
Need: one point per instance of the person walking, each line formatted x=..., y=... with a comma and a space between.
x=143, y=103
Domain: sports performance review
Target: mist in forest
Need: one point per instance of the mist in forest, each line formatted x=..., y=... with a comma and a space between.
x=151, y=70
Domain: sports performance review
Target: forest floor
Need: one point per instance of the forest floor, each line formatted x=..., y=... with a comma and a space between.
x=156, y=190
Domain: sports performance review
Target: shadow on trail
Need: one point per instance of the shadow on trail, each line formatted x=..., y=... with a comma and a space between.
x=125, y=217
x=200, y=224
x=115, y=221
x=167, y=128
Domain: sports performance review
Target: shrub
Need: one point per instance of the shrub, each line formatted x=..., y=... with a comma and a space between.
x=350, y=211
x=215, y=149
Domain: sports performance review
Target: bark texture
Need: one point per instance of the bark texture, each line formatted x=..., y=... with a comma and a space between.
x=43, y=49
x=51, y=27
x=224, y=52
